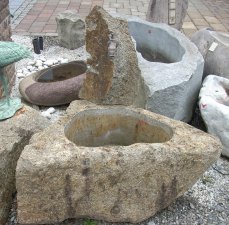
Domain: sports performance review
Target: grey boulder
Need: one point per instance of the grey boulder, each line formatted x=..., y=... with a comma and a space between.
x=171, y=66
x=71, y=29
x=214, y=47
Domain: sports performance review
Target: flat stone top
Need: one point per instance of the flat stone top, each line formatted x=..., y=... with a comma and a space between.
x=52, y=142
x=89, y=179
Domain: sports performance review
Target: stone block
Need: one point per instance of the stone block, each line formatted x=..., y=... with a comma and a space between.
x=171, y=67
x=71, y=29
x=113, y=163
x=214, y=47
x=113, y=77
x=15, y=133
x=171, y=12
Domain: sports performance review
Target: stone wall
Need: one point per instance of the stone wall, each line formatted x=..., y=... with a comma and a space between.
x=5, y=34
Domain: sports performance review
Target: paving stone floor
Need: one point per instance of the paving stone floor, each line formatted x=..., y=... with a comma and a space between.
x=38, y=16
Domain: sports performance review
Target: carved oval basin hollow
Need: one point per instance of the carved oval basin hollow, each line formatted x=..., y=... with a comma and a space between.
x=171, y=66
x=113, y=163
x=115, y=127
x=54, y=86
x=157, y=43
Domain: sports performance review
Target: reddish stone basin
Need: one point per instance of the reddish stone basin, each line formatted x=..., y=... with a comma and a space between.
x=54, y=86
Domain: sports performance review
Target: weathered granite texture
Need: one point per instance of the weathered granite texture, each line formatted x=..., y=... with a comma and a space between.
x=71, y=29
x=214, y=108
x=15, y=133
x=214, y=46
x=171, y=12
x=171, y=66
x=57, y=85
x=115, y=163
x=113, y=77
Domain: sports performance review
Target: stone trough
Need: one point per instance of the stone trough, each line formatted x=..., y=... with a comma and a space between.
x=171, y=66
x=53, y=86
x=113, y=163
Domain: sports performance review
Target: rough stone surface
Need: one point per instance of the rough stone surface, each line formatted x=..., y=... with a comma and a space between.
x=171, y=12
x=15, y=133
x=214, y=107
x=71, y=29
x=113, y=76
x=171, y=67
x=216, y=58
x=57, y=85
x=100, y=178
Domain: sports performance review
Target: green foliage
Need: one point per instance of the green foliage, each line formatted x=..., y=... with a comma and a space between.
x=89, y=222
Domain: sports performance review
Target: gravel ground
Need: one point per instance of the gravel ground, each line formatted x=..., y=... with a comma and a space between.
x=207, y=202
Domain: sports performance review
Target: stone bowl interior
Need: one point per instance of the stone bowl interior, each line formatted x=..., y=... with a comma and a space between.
x=123, y=127
x=155, y=44
x=63, y=72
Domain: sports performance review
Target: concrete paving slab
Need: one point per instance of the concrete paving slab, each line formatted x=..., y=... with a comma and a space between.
x=38, y=16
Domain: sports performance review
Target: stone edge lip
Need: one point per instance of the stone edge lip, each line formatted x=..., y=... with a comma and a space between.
x=185, y=138
x=178, y=128
x=32, y=79
x=191, y=54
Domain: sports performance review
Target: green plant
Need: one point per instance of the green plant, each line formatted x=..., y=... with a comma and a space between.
x=90, y=222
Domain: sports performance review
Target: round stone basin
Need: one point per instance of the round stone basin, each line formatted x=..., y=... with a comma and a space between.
x=53, y=86
x=156, y=44
x=115, y=127
x=171, y=67
x=62, y=72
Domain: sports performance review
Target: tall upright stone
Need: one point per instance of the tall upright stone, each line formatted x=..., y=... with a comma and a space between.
x=171, y=12
x=113, y=76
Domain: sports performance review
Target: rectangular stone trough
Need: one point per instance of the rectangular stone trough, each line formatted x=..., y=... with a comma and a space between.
x=113, y=163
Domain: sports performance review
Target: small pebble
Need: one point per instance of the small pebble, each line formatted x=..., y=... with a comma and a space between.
x=192, y=206
x=51, y=110
x=20, y=75
x=31, y=63
x=151, y=223
x=39, y=63
x=25, y=70
x=49, y=62
x=64, y=61
x=40, y=67
x=29, y=68
x=43, y=59
x=55, y=61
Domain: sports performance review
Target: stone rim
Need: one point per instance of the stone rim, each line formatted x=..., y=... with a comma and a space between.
x=192, y=144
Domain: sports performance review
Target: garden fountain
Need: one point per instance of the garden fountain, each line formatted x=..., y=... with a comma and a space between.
x=10, y=53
